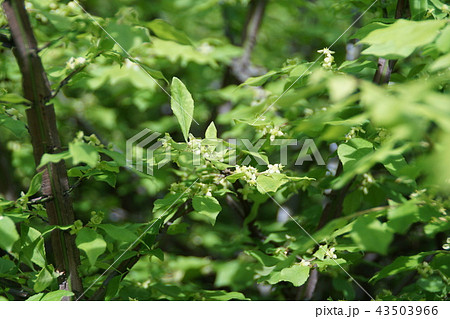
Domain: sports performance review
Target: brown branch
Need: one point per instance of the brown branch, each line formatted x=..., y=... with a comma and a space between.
x=49, y=44
x=45, y=139
x=257, y=9
x=241, y=68
x=312, y=284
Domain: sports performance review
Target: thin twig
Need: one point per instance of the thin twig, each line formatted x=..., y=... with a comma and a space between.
x=49, y=44
x=66, y=80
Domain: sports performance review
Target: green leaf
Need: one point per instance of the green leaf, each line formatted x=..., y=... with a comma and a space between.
x=441, y=262
x=166, y=31
x=259, y=80
x=16, y=126
x=44, y=279
x=32, y=250
x=296, y=274
x=158, y=253
x=57, y=295
x=84, y=153
x=128, y=36
x=400, y=264
x=400, y=39
x=371, y=235
x=91, y=243
x=395, y=164
x=117, y=157
x=182, y=106
x=431, y=284
x=443, y=42
x=113, y=288
x=8, y=233
x=353, y=151
x=401, y=217
x=211, y=131
x=418, y=8
x=207, y=206
x=441, y=63
x=36, y=297
x=175, y=229
x=35, y=184
x=265, y=260
x=153, y=73
x=169, y=203
x=341, y=87
x=345, y=286
x=13, y=98
x=270, y=183
x=6, y=265
x=221, y=295
x=54, y=158
x=365, y=30
x=51, y=296
x=119, y=233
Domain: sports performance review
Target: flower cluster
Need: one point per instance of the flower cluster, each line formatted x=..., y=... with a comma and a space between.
x=366, y=182
x=353, y=133
x=330, y=253
x=329, y=59
x=74, y=63
x=209, y=152
x=195, y=144
x=249, y=173
x=274, y=132
x=382, y=135
x=220, y=179
x=166, y=143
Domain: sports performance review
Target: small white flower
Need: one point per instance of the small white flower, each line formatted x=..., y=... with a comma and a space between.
x=447, y=245
x=275, y=168
x=274, y=133
x=72, y=5
x=28, y=5
x=74, y=63
x=329, y=59
x=205, y=48
x=305, y=263
x=330, y=253
x=326, y=51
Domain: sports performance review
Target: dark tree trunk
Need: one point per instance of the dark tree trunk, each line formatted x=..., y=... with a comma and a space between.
x=45, y=139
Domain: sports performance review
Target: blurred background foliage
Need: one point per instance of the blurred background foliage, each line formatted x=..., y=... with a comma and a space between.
x=382, y=210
